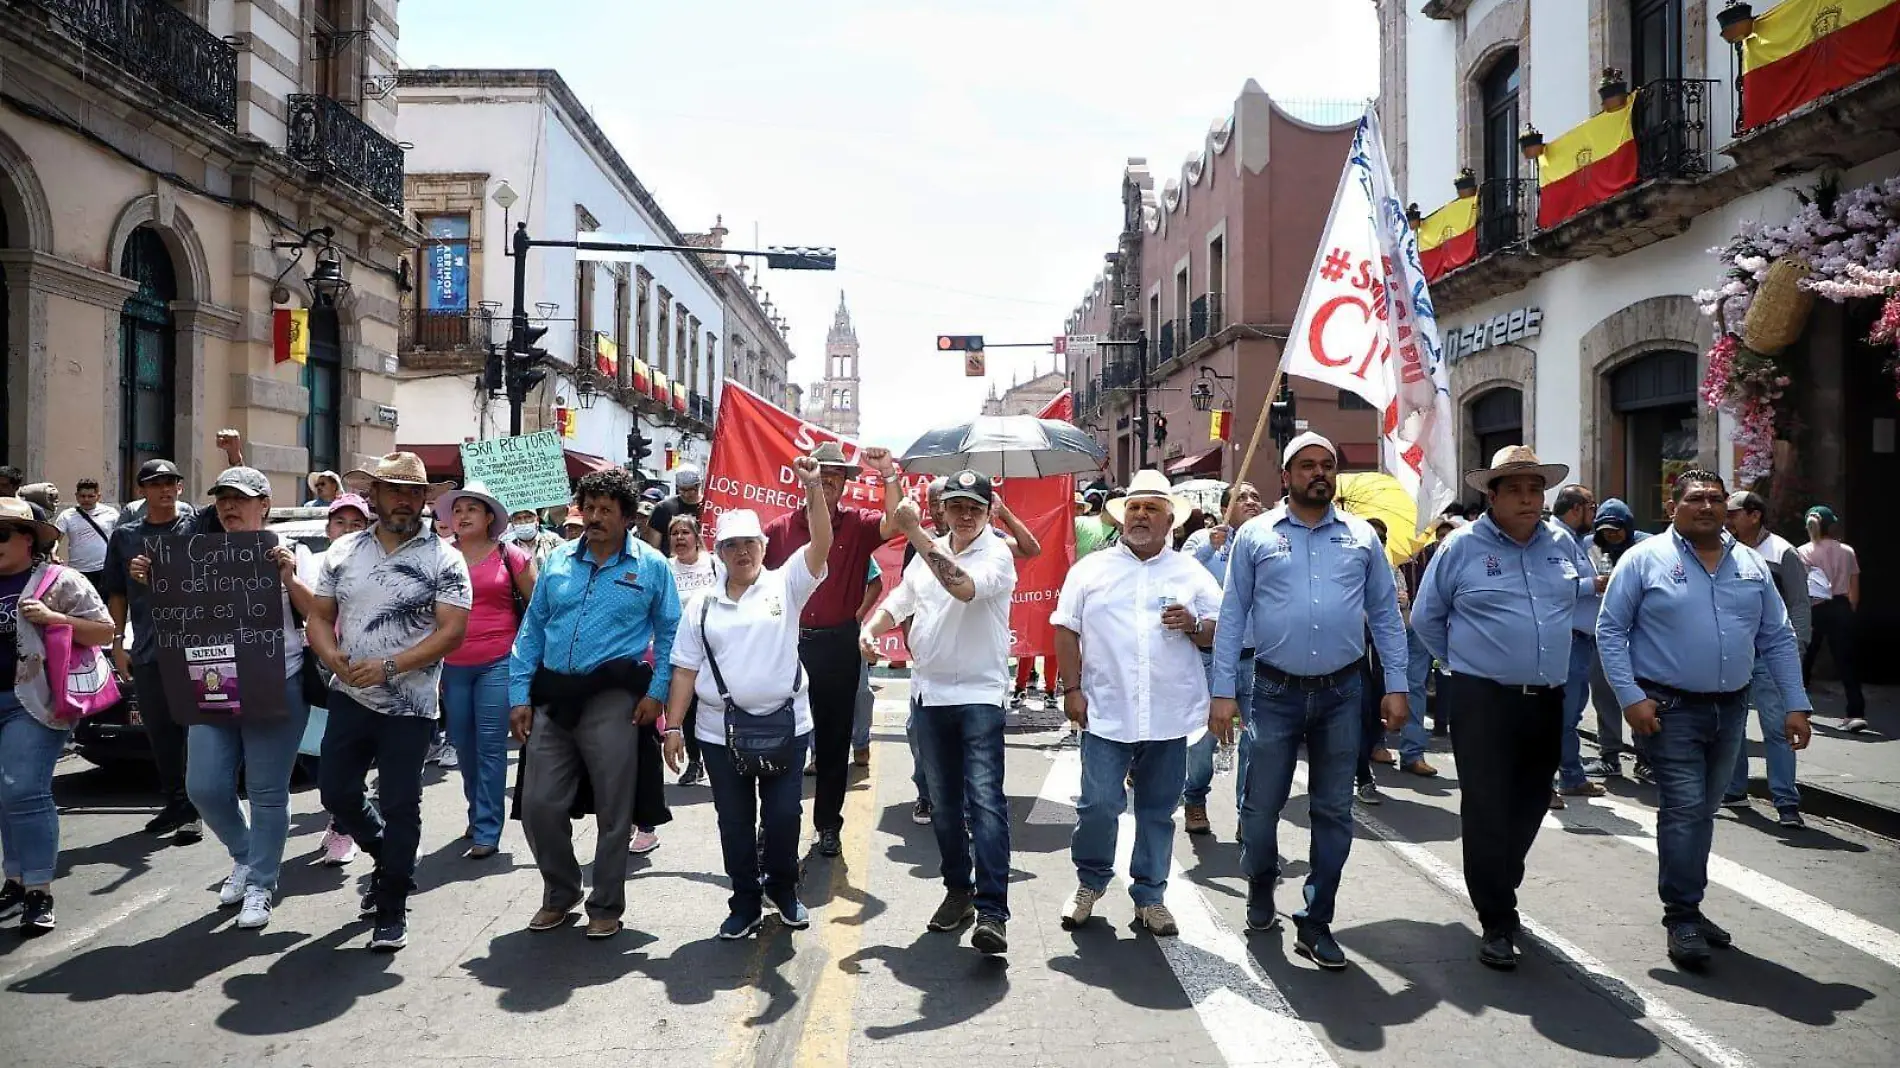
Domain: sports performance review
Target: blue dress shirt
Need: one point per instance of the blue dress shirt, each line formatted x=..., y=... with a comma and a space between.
x=1200, y=546
x=1665, y=618
x=1497, y=609
x=584, y=614
x=1584, y=617
x=1310, y=594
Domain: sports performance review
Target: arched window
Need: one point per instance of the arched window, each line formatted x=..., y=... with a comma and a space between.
x=148, y=353
x=846, y=403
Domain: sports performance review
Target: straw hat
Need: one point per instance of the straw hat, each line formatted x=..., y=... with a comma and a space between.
x=1151, y=484
x=396, y=469
x=18, y=510
x=476, y=491
x=1516, y=460
x=831, y=454
x=310, y=480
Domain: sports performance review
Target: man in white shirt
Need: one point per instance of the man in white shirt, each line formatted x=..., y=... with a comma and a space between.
x=1130, y=623
x=88, y=527
x=956, y=594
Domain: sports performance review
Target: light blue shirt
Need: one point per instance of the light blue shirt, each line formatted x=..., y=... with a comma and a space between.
x=584, y=614
x=1665, y=618
x=1200, y=546
x=1583, y=618
x=1500, y=610
x=1306, y=596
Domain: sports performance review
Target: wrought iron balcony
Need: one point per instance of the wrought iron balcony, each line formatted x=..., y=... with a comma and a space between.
x=1506, y=213
x=1672, y=128
x=441, y=331
x=1204, y=317
x=324, y=136
x=153, y=40
x=1120, y=374
x=1172, y=342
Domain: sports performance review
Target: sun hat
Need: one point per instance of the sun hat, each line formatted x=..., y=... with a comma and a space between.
x=736, y=524
x=396, y=469
x=310, y=479
x=1305, y=439
x=1516, y=460
x=831, y=454
x=19, y=510
x=476, y=491
x=1151, y=484
x=246, y=480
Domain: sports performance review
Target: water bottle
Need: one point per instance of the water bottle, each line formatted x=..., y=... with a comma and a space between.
x=1223, y=757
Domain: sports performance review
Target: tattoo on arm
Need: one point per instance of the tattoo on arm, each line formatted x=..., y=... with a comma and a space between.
x=945, y=569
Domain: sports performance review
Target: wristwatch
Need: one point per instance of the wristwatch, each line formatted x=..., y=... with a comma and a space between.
x=389, y=670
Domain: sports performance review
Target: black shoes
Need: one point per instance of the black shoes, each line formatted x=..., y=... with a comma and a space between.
x=990, y=937
x=12, y=900
x=1314, y=941
x=1497, y=949
x=391, y=934
x=172, y=817
x=956, y=910
x=829, y=844
x=36, y=916
x=1689, y=945
x=1714, y=935
x=368, y=908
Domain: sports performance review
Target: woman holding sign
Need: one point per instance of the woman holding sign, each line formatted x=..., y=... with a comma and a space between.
x=36, y=595
x=475, y=676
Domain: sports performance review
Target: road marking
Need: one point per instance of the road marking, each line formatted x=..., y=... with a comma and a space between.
x=44, y=951
x=1879, y=942
x=1646, y=1005
x=1246, y=1015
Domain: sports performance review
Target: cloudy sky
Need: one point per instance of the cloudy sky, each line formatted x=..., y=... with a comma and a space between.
x=964, y=156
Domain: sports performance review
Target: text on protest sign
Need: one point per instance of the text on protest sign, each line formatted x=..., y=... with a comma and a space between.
x=523, y=472
x=218, y=616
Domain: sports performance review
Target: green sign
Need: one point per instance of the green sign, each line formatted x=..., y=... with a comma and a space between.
x=523, y=473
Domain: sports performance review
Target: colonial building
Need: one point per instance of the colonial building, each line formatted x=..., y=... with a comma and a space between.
x=635, y=342
x=1200, y=290
x=1575, y=161
x=1027, y=398
x=172, y=173
x=833, y=402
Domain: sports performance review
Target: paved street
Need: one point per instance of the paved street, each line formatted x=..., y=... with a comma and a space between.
x=144, y=971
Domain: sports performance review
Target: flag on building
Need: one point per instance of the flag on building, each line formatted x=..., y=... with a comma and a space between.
x=662, y=392
x=1220, y=425
x=1448, y=238
x=672, y=458
x=642, y=375
x=290, y=335
x=679, y=396
x=1588, y=165
x=564, y=420
x=606, y=356
x=1366, y=325
x=1802, y=50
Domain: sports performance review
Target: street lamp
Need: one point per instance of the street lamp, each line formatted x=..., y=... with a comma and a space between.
x=326, y=282
x=1201, y=394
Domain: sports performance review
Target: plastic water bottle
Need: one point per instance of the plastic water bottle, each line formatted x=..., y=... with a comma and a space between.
x=1223, y=757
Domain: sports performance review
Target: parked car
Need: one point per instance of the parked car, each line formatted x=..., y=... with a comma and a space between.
x=116, y=737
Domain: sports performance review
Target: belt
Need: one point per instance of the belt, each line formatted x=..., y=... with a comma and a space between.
x=1306, y=682
x=818, y=632
x=1690, y=695
x=1527, y=689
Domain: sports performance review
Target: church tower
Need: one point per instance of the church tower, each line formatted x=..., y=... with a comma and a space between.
x=836, y=405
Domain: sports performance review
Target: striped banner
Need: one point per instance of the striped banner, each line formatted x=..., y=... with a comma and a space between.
x=1448, y=238
x=1805, y=49
x=1586, y=166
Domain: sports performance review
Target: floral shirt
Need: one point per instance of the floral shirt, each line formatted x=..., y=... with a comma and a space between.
x=385, y=604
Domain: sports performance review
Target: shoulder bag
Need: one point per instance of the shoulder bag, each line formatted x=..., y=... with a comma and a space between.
x=79, y=677
x=761, y=746
x=514, y=588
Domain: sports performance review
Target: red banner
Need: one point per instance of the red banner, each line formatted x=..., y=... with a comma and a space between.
x=754, y=443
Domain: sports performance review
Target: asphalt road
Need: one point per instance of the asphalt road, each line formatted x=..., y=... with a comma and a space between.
x=144, y=970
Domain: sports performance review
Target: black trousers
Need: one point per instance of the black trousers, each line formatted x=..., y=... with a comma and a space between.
x=831, y=659
x=1834, y=625
x=1507, y=744
x=167, y=735
x=354, y=739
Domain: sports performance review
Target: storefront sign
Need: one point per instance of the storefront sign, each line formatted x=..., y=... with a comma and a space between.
x=218, y=611
x=1513, y=325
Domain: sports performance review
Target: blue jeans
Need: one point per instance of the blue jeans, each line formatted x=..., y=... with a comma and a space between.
x=1414, y=739
x=1327, y=721
x=861, y=721
x=916, y=758
x=29, y=822
x=1200, y=755
x=267, y=751
x=1583, y=660
x=1693, y=758
x=742, y=804
x=1158, y=766
x=475, y=704
x=1771, y=709
x=962, y=751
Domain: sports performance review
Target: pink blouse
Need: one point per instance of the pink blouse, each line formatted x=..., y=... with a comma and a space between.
x=491, y=621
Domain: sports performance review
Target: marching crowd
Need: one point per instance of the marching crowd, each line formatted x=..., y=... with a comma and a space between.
x=1184, y=642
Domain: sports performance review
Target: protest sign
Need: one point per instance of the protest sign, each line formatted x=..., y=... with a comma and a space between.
x=523, y=472
x=755, y=442
x=218, y=615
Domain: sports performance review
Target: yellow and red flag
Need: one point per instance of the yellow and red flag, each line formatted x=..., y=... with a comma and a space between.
x=1802, y=50
x=1594, y=161
x=642, y=375
x=661, y=391
x=290, y=335
x=1220, y=424
x=679, y=396
x=1448, y=238
x=564, y=421
x=606, y=355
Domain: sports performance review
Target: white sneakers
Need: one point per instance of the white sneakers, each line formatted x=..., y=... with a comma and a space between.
x=256, y=911
x=1081, y=907
x=232, y=891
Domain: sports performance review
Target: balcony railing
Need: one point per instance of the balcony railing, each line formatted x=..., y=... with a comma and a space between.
x=1204, y=317
x=1505, y=212
x=326, y=137
x=1120, y=374
x=440, y=331
x=1672, y=128
x=700, y=407
x=153, y=40
x=1172, y=342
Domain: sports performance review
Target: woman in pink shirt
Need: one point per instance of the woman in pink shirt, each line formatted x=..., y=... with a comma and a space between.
x=475, y=676
x=1835, y=562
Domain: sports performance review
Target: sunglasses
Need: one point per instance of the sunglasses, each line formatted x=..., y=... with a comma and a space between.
x=7, y=534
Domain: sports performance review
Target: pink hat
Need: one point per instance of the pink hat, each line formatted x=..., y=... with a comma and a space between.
x=350, y=500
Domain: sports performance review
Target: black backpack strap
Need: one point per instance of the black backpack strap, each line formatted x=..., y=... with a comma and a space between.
x=719, y=680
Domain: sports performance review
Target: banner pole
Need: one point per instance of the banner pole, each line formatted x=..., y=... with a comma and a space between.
x=1260, y=424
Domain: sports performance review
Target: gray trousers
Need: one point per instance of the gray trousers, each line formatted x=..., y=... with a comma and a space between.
x=1609, y=714
x=604, y=747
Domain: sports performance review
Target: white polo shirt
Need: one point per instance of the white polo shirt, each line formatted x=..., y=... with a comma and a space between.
x=756, y=641
x=959, y=650
x=1143, y=682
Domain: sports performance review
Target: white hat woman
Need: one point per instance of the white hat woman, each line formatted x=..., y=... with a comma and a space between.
x=693, y=571
x=743, y=632
x=31, y=738
x=475, y=675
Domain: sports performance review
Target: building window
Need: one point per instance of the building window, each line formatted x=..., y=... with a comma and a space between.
x=623, y=309
x=677, y=373
x=845, y=403
x=323, y=378
x=1656, y=41
x=1353, y=402
x=664, y=334
x=1498, y=91
x=692, y=365
x=148, y=356
x=328, y=65
x=1497, y=421
x=442, y=262
x=642, y=323
x=1654, y=398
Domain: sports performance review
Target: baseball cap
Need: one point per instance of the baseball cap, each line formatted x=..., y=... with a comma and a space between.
x=153, y=470
x=686, y=478
x=246, y=480
x=969, y=486
x=573, y=518
x=736, y=524
x=653, y=494
x=1308, y=438
x=350, y=500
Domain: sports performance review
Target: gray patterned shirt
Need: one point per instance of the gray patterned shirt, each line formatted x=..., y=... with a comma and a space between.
x=386, y=604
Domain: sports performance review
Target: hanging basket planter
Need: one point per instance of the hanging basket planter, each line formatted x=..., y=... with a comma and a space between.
x=1781, y=307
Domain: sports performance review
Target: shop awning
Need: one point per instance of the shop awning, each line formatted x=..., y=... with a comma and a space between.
x=1358, y=456
x=1205, y=462
x=445, y=461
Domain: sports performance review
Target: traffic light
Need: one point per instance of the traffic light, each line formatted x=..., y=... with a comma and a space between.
x=801, y=258
x=524, y=359
x=1161, y=429
x=1280, y=422
x=495, y=372
x=638, y=447
x=959, y=343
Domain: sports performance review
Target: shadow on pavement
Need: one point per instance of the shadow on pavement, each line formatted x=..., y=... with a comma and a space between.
x=539, y=970
x=958, y=984
x=1741, y=978
x=1126, y=964
x=131, y=853
x=311, y=985
x=172, y=963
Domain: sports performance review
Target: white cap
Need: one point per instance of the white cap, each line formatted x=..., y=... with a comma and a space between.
x=1309, y=438
x=736, y=524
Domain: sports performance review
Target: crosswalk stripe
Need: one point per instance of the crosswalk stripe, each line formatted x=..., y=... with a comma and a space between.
x=1245, y=1014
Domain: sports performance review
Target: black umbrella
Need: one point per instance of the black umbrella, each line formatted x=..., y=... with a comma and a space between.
x=1006, y=446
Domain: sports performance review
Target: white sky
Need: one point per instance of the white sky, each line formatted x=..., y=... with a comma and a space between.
x=964, y=156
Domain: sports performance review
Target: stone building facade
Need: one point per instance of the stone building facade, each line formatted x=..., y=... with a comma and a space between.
x=833, y=401
x=1027, y=398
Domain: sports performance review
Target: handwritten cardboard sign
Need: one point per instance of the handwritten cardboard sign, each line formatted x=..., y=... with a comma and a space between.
x=523, y=472
x=218, y=614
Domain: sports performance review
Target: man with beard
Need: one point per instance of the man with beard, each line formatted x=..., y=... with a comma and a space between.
x=1304, y=584
x=1685, y=618
x=391, y=602
x=1496, y=605
x=1210, y=547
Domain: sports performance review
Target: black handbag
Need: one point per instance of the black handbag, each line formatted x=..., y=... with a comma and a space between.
x=761, y=746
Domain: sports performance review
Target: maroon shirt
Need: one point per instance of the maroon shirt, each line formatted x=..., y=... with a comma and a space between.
x=855, y=534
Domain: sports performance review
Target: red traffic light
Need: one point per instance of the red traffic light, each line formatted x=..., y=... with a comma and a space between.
x=959, y=343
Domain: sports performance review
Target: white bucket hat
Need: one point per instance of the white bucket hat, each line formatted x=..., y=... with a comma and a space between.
x=476, y=491
x=737, y=524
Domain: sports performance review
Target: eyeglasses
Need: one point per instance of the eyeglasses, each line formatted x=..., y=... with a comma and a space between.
x=7, y=533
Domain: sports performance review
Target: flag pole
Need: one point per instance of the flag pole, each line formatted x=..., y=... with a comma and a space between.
x=1260, y=424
